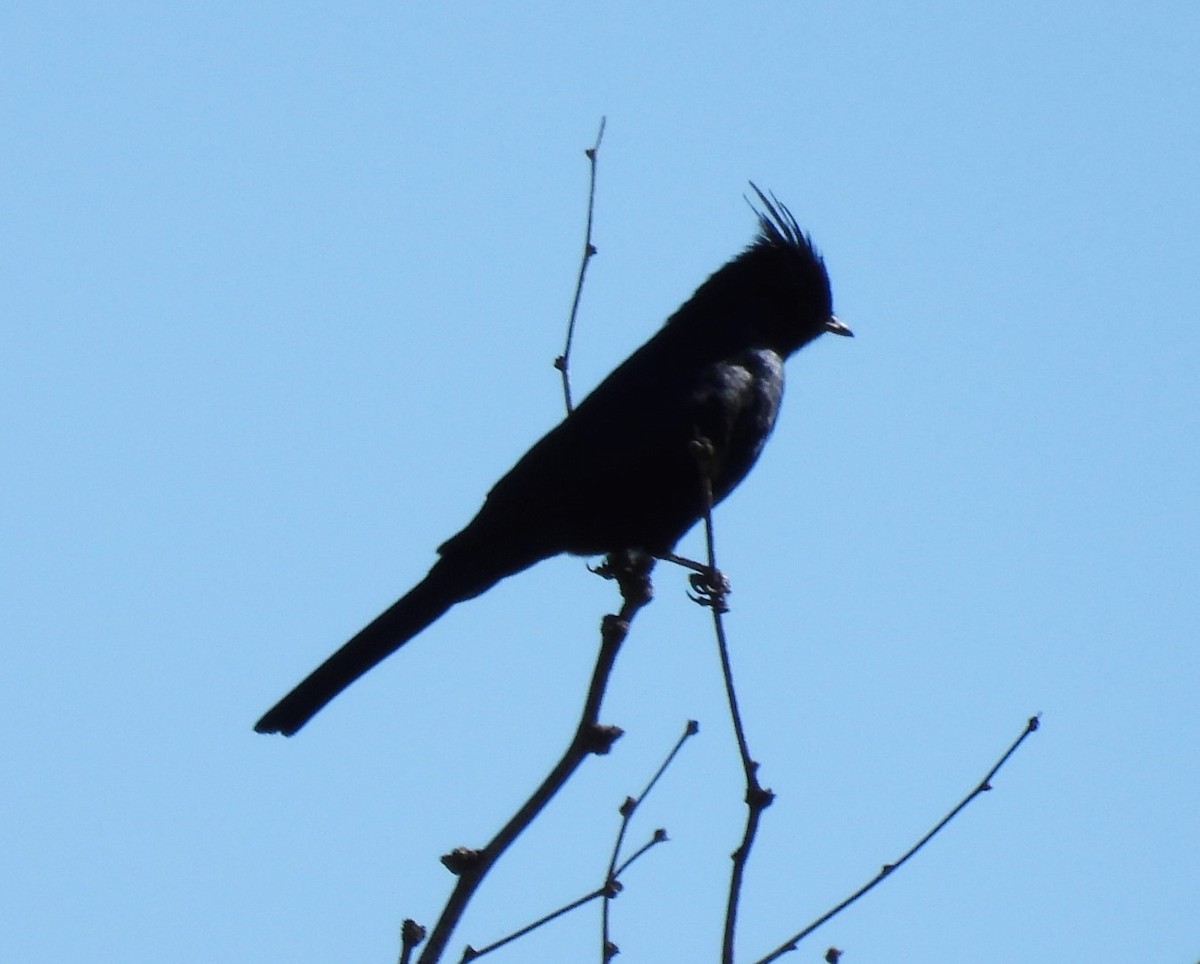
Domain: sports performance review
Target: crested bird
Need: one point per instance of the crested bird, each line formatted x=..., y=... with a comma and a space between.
x=620, y=471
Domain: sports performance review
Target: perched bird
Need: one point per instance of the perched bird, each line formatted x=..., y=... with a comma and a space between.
x=620, y=471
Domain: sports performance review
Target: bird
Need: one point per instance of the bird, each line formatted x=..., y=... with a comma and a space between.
x=621, y=472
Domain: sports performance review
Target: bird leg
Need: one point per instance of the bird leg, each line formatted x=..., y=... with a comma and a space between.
x=683, y=561
x=708, y=582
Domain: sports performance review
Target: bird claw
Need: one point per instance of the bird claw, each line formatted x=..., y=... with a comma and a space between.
x=710, y=587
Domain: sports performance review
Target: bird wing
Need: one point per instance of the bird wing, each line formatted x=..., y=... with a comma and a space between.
x=621, y=471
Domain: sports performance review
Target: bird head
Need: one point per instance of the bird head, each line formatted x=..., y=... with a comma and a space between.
x=793, y=303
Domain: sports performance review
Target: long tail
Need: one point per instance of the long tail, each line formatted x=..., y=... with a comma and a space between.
x=429, y=599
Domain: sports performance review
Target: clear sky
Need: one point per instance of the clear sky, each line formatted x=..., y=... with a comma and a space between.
x=280, y=287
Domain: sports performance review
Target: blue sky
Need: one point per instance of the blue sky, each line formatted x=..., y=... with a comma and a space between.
x=281, y=286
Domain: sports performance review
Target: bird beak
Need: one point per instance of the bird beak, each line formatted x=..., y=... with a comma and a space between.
x=834, y=326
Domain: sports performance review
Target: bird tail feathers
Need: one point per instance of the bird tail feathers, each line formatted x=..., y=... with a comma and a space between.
x=394, y=627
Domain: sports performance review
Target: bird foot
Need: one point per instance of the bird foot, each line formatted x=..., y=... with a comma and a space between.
x=710, y=587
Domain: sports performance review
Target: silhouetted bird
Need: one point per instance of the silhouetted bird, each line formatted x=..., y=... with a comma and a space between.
x=621, y=472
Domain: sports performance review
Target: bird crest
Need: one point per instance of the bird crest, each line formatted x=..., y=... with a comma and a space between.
x=777, y=225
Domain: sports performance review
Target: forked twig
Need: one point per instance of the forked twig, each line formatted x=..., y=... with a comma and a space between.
x=632, y=573
x=628, y=808
x=607, y=891
x=612, y=885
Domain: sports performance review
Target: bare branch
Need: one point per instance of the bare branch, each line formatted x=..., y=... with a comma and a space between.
x=563, y=361
x=628, y=808
x=471, y=954
x=984, y=785
x=631, y=570
x=711, y=588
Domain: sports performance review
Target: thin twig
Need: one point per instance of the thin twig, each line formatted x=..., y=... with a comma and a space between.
x=748, y=765
x=689, y=731
x=563, y=361
x=984, y=785
x=628, y=808
x=471, y=954
x=660, y=836
x=711, y=589
x=632, y=573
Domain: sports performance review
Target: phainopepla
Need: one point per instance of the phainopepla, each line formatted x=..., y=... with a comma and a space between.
x=621, y=470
